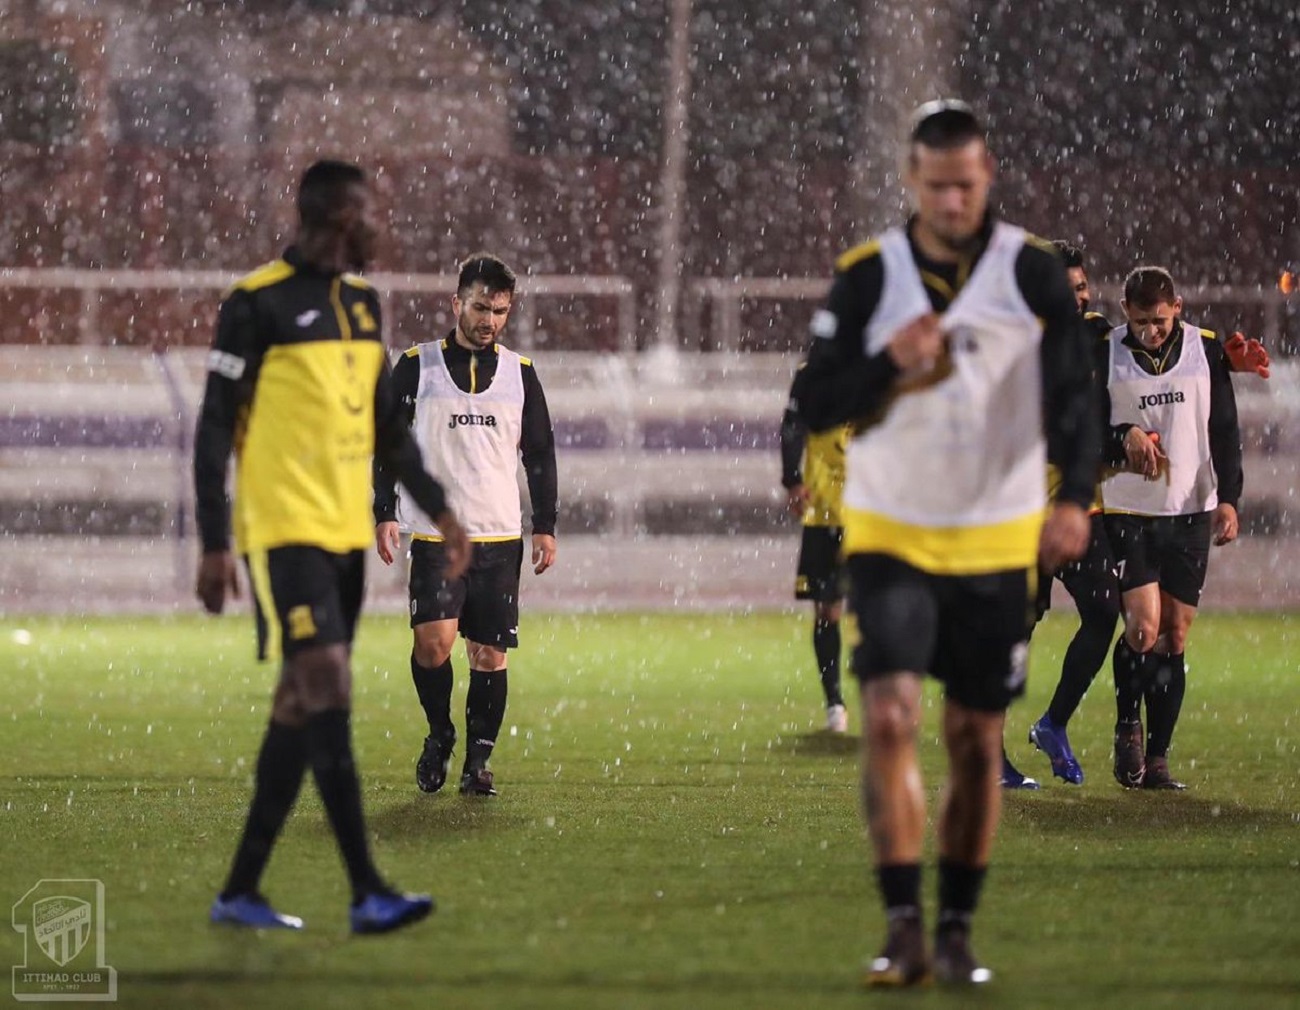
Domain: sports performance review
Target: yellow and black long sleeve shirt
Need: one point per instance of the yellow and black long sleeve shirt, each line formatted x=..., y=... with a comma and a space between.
x=814, y=460
x=299, y=388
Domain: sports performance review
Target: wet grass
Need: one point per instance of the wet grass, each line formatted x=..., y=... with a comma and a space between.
x=673, y=830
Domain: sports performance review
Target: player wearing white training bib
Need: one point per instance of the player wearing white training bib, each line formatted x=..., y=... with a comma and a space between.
x=476, y=409
x=954, y=350
x=1172, y=413
x=472, y=439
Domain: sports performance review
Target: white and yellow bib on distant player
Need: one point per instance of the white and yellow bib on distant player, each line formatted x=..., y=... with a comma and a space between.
x=470, y=442
x=1176, y=404
x=950, y=477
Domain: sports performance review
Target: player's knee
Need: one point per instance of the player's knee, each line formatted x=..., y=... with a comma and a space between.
x=486, y=657
x=431, y=649
x=890, y=723
x=1141, y=635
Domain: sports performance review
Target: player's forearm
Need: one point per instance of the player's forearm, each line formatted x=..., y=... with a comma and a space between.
x=794, y=435
x=213, y=439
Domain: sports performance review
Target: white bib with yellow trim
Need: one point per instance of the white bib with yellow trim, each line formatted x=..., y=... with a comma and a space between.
x=950, y=475
x=470, y=442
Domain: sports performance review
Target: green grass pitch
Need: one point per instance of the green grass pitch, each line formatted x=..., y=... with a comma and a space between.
x=673, y=829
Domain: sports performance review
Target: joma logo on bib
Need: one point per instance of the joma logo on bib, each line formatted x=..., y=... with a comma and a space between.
x=490, y=421
x=1159, y=399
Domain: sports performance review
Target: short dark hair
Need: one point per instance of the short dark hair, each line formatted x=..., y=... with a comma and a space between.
x=1145, y=286
x=944, y=124
x=322, y=190
x=488, y=270
x=1070, y=252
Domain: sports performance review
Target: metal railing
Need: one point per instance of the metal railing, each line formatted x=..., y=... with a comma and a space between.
x=92, y=283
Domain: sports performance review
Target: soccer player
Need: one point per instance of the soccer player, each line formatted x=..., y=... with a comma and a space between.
x=298, y=385
x=948, y=344
x=812, y=473
x=475, y=407
x=1172, y=416
x=1091, y=581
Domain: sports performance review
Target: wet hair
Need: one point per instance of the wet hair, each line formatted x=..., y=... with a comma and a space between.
x=1147, y=286
x=1070, y=252
x=944, y=124
x=488, y=270
x=323, y=191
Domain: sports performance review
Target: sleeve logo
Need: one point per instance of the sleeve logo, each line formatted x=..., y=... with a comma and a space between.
x=231, y=366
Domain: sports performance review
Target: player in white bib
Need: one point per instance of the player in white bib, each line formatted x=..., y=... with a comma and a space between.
x=1173, y=427
x=476, y=408
x=954, y=349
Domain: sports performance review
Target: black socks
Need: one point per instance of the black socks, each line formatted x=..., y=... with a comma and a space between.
x=329, y=751
x=280, y=766
x=826, y=647
x=485, y=710
x=433, y=685
x=1164, y=697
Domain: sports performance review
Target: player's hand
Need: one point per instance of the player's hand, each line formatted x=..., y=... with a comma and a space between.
x=388, y=541
x=1246, y=355
x=1065, y=536
x=796, y=501
x=457, y=543
x=917, y=347
x=217, y=577
x=543, y=552
x=1143, y=452
x=1223, y=525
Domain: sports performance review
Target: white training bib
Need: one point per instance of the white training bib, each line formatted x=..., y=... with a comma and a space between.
x=1177, y=405
x=470, y=442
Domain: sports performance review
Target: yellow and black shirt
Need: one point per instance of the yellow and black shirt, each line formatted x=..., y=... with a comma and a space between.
x=815, y=460
x=299, y=387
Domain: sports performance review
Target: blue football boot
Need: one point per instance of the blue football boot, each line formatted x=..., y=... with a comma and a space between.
x=252, y=911
x=1052, y=741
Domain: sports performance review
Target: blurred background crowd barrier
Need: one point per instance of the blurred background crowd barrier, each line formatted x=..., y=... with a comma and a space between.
x=669, y=472
x=672, y=180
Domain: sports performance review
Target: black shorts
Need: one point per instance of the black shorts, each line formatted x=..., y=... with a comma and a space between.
x=1092, y=581
x=969, y=631
x=485, y=599
x=820, y=573
x=304, y=597
x=1173, y=551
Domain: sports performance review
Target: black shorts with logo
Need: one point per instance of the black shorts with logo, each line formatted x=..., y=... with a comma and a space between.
x=485, y=599
x=821, y=570
x=304, y=597
x=1173, y=551
x=968, y=631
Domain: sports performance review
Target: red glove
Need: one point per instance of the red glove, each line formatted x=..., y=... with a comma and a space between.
x=1246, y=355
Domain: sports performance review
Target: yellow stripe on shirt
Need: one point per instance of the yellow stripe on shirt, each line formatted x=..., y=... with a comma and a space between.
x=946, y=550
